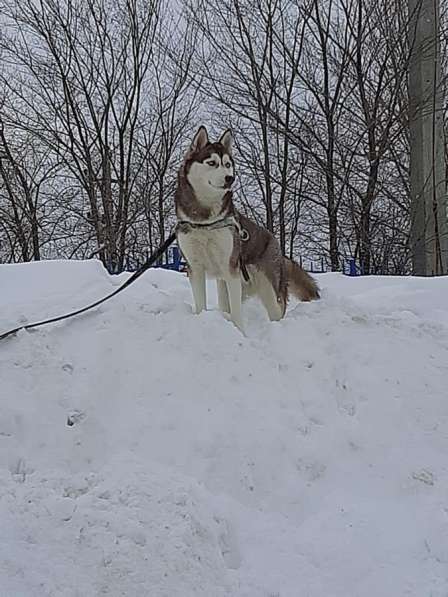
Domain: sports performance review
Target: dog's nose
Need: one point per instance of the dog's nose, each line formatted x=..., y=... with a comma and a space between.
x=229, y=180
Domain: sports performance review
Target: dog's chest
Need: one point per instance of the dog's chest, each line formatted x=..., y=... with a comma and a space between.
x=208, y=249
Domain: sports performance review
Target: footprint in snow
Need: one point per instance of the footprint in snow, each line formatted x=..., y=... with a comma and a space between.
x=424, y=476
x=344, y=402
x=75, y=416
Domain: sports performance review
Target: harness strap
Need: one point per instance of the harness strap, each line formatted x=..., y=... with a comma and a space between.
x=186, y=226
x=244, y=270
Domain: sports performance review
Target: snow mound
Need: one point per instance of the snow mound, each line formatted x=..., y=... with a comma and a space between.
x=148, y=451
x=126, y=530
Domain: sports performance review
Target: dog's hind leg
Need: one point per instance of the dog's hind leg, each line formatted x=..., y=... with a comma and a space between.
x=223, y=296
x=198, y=287
x=235, y=297
x=274, y=306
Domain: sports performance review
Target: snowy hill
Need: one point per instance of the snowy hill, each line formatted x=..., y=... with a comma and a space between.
x=145, y=451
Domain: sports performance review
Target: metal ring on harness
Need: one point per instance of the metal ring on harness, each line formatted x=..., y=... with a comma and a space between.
x=244, y=235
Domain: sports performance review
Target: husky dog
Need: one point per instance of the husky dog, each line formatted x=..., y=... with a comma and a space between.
x=217, y=240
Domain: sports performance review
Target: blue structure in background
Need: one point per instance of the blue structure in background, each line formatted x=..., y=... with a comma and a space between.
x=348, y=267
x=173, y=260
x=352, y=269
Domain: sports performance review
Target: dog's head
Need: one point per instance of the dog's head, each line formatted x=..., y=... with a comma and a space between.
x=209, y=167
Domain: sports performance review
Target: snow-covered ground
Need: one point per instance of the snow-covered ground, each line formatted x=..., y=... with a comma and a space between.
x=148, y=452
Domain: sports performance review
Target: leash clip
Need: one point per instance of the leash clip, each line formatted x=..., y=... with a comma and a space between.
x=244, y=235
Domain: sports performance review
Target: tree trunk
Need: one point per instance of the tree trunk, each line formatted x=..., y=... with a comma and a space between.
x=429, y=224
x=333, y=234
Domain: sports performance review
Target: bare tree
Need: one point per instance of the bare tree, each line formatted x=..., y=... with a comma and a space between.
x=100, y=98
x=82, y=68
x=23, y=175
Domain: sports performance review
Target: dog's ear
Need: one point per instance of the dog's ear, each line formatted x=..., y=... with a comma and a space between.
x=200, y=140
x=226, y=140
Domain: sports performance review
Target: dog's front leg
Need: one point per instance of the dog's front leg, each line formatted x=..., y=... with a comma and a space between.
x=223, y=296
x=234, y=291
x=198, y=288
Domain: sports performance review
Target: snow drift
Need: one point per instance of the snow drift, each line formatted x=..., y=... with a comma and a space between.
x=145, y=451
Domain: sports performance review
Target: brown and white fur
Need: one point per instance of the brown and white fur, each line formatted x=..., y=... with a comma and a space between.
x=203, y=196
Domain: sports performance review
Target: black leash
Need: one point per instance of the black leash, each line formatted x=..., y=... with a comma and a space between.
x=154, y=257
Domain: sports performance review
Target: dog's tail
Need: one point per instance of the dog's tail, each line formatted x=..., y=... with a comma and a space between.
x=300, y=283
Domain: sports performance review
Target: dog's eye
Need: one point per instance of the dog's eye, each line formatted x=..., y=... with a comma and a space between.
x=228, y=165
x=211, y=163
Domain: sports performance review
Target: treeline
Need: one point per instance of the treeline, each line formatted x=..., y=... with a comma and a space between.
x=98, y=100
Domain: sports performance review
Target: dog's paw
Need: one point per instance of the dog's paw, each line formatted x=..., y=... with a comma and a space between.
x=198, y=311
x=239, y=325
